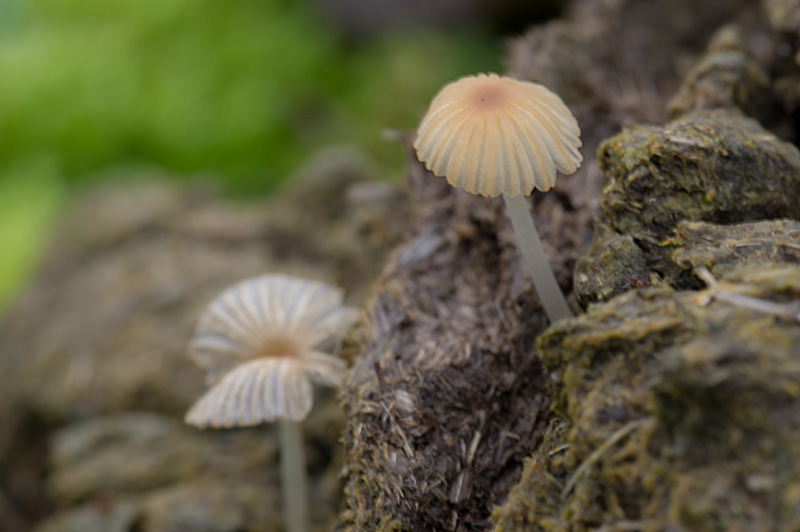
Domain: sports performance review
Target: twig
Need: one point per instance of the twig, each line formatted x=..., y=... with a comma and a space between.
x=783, y=310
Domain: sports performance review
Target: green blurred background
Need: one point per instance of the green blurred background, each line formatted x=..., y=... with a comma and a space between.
x=243, y=91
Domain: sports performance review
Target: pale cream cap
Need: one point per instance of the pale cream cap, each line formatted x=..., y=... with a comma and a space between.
x=261, y=342
x=493, y=135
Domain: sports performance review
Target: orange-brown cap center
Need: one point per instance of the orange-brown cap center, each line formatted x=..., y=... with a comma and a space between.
x=278, y=346
x=488, y=95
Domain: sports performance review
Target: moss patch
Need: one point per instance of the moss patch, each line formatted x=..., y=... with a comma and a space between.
x=683, y=411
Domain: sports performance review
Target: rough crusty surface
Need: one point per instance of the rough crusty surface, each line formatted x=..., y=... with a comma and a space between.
x=615, y=264
x=723, y=248
x=447, y=397
x=676, y=409
x=728, y=156
x=680, y=411
x=715, y=166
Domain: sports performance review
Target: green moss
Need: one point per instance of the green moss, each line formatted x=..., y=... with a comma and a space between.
x=721, y=248
x=614, y=265
x=715, y=166
x=681, y=410
x=30, y=197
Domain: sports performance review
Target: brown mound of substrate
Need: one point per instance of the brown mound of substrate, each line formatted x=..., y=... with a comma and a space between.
x=447, y=396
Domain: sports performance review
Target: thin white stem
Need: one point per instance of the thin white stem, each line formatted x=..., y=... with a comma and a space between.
x=293, y=476
x=555, y=305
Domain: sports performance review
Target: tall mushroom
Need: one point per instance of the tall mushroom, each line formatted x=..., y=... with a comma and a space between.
x=493, y=135
x=259, y=341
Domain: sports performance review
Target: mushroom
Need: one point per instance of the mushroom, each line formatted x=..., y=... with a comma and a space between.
x=493, y=135
x=259, y=341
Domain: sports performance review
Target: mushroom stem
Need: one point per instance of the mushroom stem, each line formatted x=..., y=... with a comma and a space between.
x=293, y=476
x=555, y=305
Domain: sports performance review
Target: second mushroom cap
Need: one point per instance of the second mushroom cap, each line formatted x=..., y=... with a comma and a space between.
x=260, y=342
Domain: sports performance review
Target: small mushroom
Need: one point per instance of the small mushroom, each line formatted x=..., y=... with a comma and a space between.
x=493, y=135
x=260, y=342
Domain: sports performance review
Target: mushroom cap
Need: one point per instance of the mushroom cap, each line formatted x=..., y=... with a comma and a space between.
x=493, y=135
x=260, y=342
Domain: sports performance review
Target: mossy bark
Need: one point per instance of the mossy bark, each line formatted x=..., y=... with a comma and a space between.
x=706, y=392
x=713, y=166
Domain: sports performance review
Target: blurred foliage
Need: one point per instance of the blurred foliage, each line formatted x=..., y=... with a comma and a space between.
x=30, y=194
x=243, y=90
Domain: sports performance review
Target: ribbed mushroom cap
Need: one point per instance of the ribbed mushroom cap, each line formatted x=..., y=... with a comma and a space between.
x=493, y=135
x=259, y=342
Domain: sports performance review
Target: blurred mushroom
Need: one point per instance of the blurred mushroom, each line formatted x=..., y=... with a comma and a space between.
x=259, y=341
x=493, y=135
